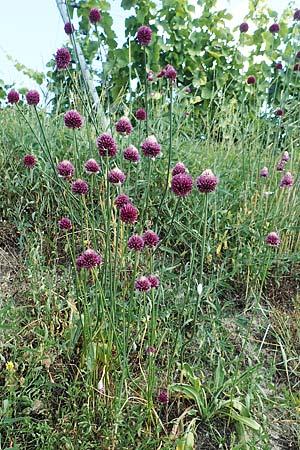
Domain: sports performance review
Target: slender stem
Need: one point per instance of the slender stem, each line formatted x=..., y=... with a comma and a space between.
x=146, y=89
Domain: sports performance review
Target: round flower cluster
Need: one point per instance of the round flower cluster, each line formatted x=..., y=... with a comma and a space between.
x=279, y=112
x=207, y=182
x=121, y=200
x=123, y=126
x=273, y=239
x=285, y=156
x=274, y=28
x=65, y=169
x=79, y=187
x=91, y=166
x=151, y=239
x=297, y=14
x=32, y=97
x=287, y=180
x=29, y=161
x=151, y=147
x=264, y=173
x=244, y=27
x=13, y=97
x=144, y=35
x=284, y=159
x=128, y=214
x=170, y=72
x=131, y=154
x=179, y=168
x=278, y=66
x=106, y=145
x=144, y=284
x=182, y=184
x=69, y=28
x=94, y=15
x=88, y=260
x=136, y=243
x=65, y=223
x=73, y=119
x=62, y=58
x=116, y=176
x=163, y=397
x=141, y=114
x=251, y=79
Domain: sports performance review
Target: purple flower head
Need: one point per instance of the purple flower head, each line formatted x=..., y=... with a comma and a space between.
x=264, y=173
x=287, y=180
x=297, y=56
x=244, y=27
x=251, y=79
x=144, y=35
x=91, y=166
x=161, y=74
x=154, y=281
x=136, y=243
x=128, y=213
x=170, y=72
x=79, y=187
x=297, y=14
x=207, y=182
x=69, y=28
x=182, y=184
x=106, y=145
x=121, y=200
x=32, y=97
x=163, y=397
x=116, y=176
x=280, y=166
x=179, y=168
x=151, y=147
x=29, y=161
x=62, y=58
x=150, y=350
x=73, y=119
x=94, y=15
x=279, y=112
x=188, y=90
x=142, y=284
x=131, y=154
x=273, y=239
x=65, y=223
x=278, y=66
x=65, y=169
x=123, y=126
x=285, y=156
x=13, y=97
x=274, y=28
x=141, y=114
x=296, y=68
x=88, y=260
x=151, y=239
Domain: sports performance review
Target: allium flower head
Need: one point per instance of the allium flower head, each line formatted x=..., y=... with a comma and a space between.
x=88, y=260
x=151, y=239
x=285, y=156
x=106, y=145
x=141, y=114
x=154, y=281
x=123, y=126
x=179, y=168
x=29, y=161
x=116, y=176
x=264, y=173
x=296, y=68
x=65, y=169
x=278, y=66
x=65, y=223
x=207, y=182
x=151, y=147
x=274, y=28
x=163, y=397
x=79, y=187
x=91, y=166
x=131, y=154
x=170, y=72
x=244, y=27
x=150, y=350
x=287, y=180
x=279, y=112
x=62, y=58
x=297, y=14
x=13, y=97
x=94, y=15
x=297, y=56
x=273, y=239
x=121, y=200
x=280, y=166
x=182, y=184
x=69, y=28
x=32, y=97
x=188, y=90
x=136, y=243
x=128, y=213
x=161, y=74
x=251, y=79
x=144, y=35
x=142, y=284
x=73, y=119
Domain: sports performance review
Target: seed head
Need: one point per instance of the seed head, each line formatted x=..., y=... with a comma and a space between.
x=273, y=239
x=32, y=97
x=65, y=169
x=142, y=284
x=128, y=214
x=73, y=119
x=131, y=154
x=207, y=182
x=144, y=35
x=136, y=243
x=94, y=15
x=29, y=161
x=151, y=147
x=88, y=260
x=151, y=239
x=79, y=187
x=65, y=223
x=13, y=97
x=106, y=145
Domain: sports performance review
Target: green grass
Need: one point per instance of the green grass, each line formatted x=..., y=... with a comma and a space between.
x=228, y=358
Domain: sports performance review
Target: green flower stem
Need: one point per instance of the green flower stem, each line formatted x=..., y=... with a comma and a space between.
x=146, y=89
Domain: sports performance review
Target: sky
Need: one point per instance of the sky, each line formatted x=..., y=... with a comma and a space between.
x=32, y=31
